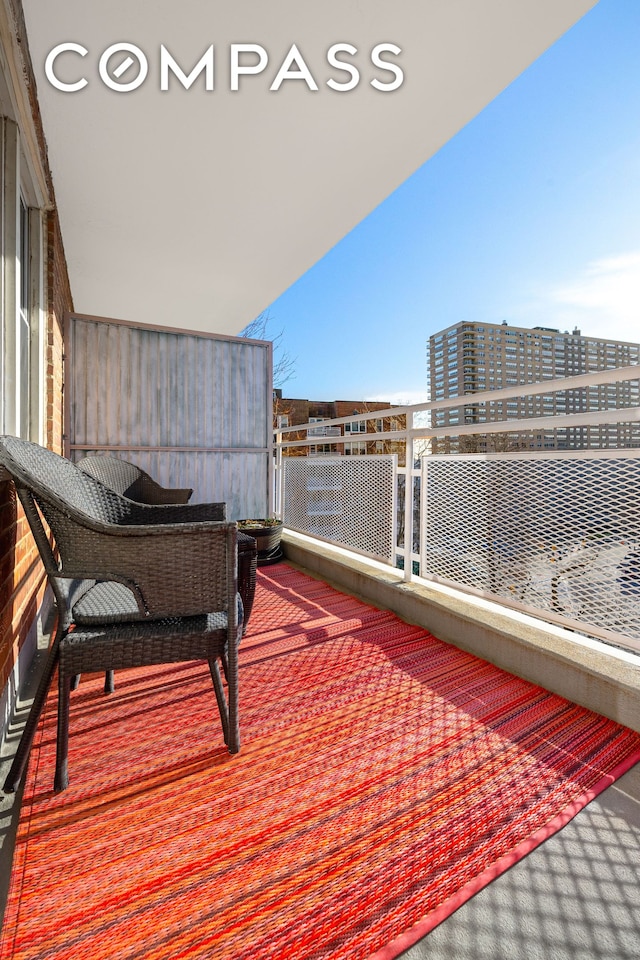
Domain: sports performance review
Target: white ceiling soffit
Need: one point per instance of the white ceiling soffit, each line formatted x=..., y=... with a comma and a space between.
x=194, y=208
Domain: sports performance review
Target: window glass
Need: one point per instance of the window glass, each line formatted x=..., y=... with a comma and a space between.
x=24, y=327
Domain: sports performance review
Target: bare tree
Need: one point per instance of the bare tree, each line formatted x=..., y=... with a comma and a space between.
x=282, y=414
x=284, y=365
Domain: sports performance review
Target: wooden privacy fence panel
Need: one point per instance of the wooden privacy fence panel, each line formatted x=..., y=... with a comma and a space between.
x=192, y=409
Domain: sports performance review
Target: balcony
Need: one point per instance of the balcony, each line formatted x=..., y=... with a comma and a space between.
x=112, y=230
x=529, y=594
x=532, y=910
x=322, y=431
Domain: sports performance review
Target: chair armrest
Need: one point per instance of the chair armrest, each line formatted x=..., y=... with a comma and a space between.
x=178, y=569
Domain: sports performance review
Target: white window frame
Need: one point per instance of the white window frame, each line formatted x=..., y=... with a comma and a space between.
x=355, y=426
x=321, y=450
x=355, y=448
x=22, y=320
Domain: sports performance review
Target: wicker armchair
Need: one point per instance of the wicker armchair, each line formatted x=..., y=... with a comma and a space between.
x=140, y=584
x=130, y=481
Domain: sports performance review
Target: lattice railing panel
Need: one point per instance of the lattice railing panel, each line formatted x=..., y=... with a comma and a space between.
x=347, y=500
x=555, y=536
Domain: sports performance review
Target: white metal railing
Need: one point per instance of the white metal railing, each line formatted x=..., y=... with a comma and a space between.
x=557, y=535
x=324, y=499
x=554, y=532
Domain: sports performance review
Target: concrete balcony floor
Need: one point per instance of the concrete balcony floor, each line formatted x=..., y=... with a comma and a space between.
x=577, y=896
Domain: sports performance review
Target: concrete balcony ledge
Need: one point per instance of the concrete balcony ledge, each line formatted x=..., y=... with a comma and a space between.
x=596, y=675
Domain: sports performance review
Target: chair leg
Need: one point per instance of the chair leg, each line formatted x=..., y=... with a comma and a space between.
x=61, y=780
x=22, y=753
x=233, y=743
x=230, y=718
x=220, y=697
x=109, y=684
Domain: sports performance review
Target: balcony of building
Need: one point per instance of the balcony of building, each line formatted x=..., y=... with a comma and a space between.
x=320, y=430
x=163, y=236
x=523, y=558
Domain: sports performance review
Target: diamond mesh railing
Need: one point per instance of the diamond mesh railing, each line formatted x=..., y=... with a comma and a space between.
x=550, y=531
x=347, y=500
x=557, y=536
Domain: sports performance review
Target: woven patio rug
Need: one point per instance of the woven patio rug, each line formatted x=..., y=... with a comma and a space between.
x=384, y=778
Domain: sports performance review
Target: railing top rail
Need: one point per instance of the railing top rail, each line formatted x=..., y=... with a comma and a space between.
x=525, y=425
x=598, y=453
x=544, y=387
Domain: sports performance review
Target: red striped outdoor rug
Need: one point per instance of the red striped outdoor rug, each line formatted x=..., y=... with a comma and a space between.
x=384, y=777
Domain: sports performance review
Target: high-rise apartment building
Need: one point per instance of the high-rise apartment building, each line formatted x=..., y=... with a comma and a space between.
x=467, y=358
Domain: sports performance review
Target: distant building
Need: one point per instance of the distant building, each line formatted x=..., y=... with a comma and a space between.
x=468, y=358
x=288, y=412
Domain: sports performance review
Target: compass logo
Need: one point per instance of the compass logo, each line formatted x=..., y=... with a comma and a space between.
x=124, y=67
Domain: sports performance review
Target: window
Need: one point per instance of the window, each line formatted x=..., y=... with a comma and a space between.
x=320, y=450
x=22, y=370
x=356, y=426
x=23, y=336
x=355, y=448
x=283, y=420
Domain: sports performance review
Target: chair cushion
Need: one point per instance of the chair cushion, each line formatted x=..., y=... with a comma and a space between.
x=111, y=602
x=118, y=646
x=107, y=602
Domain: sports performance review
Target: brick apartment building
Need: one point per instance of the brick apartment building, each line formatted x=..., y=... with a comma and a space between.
x=287, y=412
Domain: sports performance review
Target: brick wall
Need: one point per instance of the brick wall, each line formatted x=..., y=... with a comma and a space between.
x=22, y=581
x=58, y=301
x=300, y=411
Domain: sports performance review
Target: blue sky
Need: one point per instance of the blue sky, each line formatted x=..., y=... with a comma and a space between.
x=531, y=214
